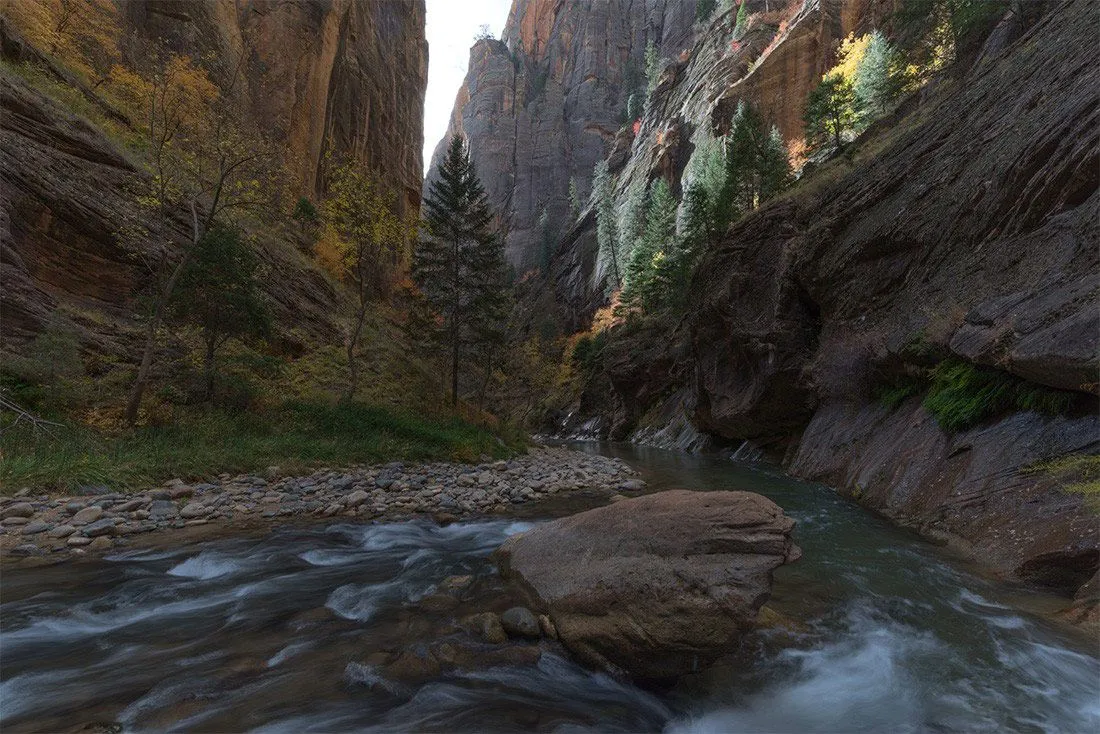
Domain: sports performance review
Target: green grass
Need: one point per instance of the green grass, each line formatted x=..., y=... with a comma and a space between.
x=1076, y=474
x=294, y=436
x=963, y=395
x=890, y=396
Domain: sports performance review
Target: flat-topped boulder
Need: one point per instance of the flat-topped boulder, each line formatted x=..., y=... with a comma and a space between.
x=658, y=585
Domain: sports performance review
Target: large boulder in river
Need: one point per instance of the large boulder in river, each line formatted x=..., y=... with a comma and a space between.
x=658, y=585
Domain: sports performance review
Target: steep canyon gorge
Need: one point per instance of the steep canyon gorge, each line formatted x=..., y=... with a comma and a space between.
x=878, y=379
x=962, y=227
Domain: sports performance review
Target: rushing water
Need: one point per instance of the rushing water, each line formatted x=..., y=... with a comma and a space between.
x=284, y=634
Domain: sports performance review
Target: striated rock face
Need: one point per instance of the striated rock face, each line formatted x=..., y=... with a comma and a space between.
x=348, y=76
x=966, y=228
x=341, y=75
x=541, y=107
x=656, y=585
x=775, y=64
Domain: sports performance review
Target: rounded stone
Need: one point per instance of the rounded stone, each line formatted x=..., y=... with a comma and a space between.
x=87, y=515
x=520, y=622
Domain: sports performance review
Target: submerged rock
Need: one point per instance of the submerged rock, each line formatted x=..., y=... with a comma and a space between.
x=657, y=585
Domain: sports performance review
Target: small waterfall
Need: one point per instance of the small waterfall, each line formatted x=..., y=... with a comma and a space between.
x=748, y=452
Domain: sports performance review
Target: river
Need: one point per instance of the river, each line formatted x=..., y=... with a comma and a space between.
x=283, y=633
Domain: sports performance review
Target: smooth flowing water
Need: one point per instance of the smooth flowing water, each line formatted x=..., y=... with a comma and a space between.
x=285, y=633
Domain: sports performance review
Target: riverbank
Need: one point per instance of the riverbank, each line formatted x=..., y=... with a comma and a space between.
x=53, y=527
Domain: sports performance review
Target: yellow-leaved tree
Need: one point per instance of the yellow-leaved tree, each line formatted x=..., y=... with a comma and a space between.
x=205, y=162
x=366, y=243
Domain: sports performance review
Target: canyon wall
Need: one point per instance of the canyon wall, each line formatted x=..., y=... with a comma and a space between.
x=541, y=106
x=343, y=76
x=964, y=227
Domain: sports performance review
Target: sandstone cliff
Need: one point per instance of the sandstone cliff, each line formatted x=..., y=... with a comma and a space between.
x=541, y=107
x=345, y=76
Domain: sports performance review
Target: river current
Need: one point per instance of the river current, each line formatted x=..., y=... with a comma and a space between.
x=287, y=633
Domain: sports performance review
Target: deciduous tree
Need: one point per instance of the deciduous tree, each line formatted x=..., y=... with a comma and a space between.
x=370, y=240
x=204, y=161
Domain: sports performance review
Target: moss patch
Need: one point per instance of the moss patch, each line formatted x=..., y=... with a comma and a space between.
x=1075, y=474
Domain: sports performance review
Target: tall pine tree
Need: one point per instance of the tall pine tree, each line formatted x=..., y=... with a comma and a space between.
x=459, y=263
x=646, y=271
x=607, y=235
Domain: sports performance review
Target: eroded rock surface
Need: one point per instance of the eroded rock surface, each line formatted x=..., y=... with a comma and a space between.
x=656, y=585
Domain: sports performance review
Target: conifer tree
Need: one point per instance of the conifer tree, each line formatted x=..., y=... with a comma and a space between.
x=459, y=262
x=756, y=167
x=574, y=197
x=607, y=236
x=742, y=20
x=878, y=79
x=218, y=292
x=647, y=269
x=652, y=66
x=774, y=165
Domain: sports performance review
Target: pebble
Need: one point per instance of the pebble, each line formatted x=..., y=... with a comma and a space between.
x=193, y=510
x=106, y=526
x=19, y=509
x=34, y=527
x=78, y=540
x=520, y=622
x=87, y=515
x=62, y=531
x=16, y=520
x=27, y=549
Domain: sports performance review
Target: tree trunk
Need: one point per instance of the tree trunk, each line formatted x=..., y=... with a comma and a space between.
x=353, y=340
x=209, y=367
x=454, y=366
x=133, y=404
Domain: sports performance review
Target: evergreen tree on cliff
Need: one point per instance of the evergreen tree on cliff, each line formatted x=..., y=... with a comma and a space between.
x=459, y=262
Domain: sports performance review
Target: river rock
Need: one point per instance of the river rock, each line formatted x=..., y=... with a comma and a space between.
x=27, y=549
x=520, y=622
x=106, y=526
x=87, y=515
x=62, y=531
x=100, y=544
x=357, y=498
x=34, y=527
x=655, y=585
x=19, y=509
x=487, y=626
x=193, y=510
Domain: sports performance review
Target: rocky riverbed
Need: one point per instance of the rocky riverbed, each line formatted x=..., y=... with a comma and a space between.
x=54, y=527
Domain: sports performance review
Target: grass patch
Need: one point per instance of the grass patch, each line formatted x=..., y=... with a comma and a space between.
x=890, y=396
x=294, y=436
x=963, y=395
x=1076, y=474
